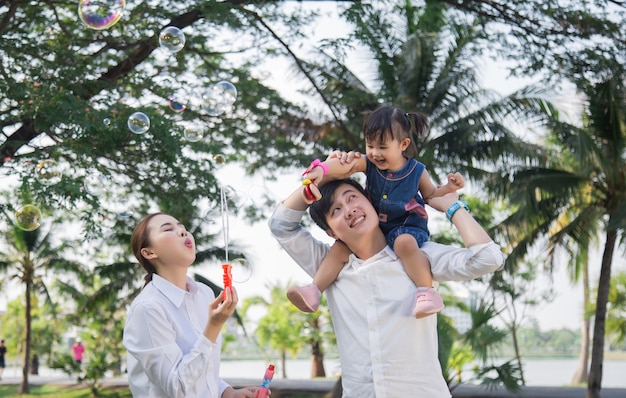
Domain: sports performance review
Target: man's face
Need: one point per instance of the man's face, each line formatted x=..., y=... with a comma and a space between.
x=351, y=215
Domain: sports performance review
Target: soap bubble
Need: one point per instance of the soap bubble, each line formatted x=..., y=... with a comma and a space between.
x=220, y=98
x=211, y=215
x=96, y=183
x=106, y=121
x=100, y=14
x=172, y=39
x=219, y=159
x=237, y=198
x=28, y=217
x=138, y=122
x=193, y=132
x=48, y=172
x=241, y=270
x=178, y=102
x=123, y=208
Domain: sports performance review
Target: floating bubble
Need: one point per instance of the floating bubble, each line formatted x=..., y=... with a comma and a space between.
x=220, y=98
x=219, y=159
x=96, y=183
x=212, y=214
x=172, y=39
x=237, y=198
x=241, y=270
x=122, y=208
x=100, y=14
x=48, y=172
x=193, y=133
x=106, y=121
x=177, y=103
x=28, y=217
x=138, y=122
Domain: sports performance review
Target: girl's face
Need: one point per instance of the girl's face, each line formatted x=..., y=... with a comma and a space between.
x=170, y=243
x=387, y=155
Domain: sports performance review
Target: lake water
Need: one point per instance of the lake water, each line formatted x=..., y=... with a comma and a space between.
x=537, y=372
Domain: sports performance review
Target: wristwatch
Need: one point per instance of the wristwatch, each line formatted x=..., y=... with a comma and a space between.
x=454, y=207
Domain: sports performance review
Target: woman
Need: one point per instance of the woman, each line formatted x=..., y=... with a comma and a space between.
x=172, y=332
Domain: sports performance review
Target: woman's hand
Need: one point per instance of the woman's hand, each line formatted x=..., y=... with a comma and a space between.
x=246, y=392
x=219, y=311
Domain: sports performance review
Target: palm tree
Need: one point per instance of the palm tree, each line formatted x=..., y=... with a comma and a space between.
x=32, y=256
x=281, y=328
x=421, y=61
x=558, y=200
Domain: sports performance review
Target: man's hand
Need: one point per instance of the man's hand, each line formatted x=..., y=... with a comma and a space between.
x=442, y=203
x=344, y=157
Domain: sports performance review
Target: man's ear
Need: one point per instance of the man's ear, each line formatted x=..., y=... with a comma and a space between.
x=148, y=254
x=331, y=234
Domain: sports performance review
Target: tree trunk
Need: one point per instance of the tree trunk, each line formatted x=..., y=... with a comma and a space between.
x=283, y=360
x=317, y=360
x=594, y=382
x=518, y=357
x=581, y=374
x=34, y=365
x=24, y=387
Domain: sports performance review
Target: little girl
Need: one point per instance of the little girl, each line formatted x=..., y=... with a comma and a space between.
x=398, y=186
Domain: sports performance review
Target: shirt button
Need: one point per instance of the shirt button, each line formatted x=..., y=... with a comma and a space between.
x=390, y=175
x=384, y=196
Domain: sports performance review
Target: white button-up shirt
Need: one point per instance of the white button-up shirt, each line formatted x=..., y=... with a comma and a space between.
x=168, y=356
x=383, y=350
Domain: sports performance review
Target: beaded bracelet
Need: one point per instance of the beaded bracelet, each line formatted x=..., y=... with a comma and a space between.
x=314, y=164
x=454, y=207
x=307, y=193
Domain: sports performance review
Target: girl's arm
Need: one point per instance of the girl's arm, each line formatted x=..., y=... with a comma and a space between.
x=429, y=190
x=336, y=166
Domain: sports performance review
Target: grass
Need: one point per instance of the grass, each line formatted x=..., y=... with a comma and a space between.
x=52, y=391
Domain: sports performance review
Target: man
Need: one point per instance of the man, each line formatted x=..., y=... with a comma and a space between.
x=384, y=351
x=3, y=351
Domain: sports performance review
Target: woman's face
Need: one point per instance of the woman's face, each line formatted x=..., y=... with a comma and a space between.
x=170, y=242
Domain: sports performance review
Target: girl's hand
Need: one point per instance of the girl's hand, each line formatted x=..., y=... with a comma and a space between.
x=455, y=181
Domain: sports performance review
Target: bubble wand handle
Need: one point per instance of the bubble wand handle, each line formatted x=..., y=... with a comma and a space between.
x=228, y=276
x=263, y=391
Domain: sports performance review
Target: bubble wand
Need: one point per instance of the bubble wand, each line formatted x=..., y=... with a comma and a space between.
x=263, y=391
x=226, y=267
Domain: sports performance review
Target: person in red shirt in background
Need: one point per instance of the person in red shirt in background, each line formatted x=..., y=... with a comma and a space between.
x=78, y=350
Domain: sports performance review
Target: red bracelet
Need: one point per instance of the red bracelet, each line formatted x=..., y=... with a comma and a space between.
x=314, y=164
x=309, y=196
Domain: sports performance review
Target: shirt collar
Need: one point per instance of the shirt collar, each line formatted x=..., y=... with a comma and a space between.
x=171, y=291
x=389, y=251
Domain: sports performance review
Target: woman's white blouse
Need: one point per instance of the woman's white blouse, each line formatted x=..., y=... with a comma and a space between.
x=167, y=354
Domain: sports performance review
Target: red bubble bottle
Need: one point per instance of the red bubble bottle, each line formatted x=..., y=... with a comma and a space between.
x=267, y=379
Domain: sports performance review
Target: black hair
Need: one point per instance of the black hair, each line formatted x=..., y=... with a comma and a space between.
x=319, y=209
x=390, y=122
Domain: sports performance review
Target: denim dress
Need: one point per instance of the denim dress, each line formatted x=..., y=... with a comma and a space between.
x=395, y=196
